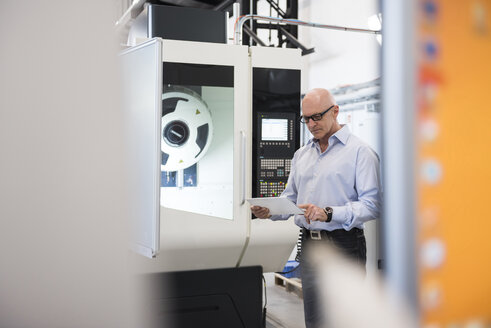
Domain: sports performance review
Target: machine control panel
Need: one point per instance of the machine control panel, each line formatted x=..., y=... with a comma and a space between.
x=276, y=147
x=276, y=128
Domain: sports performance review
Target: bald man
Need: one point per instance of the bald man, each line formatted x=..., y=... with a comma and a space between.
x=335, y=177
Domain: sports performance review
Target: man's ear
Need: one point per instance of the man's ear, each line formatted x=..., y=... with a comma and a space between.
x=336, y=111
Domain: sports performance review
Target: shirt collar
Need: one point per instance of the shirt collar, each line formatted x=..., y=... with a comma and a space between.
x=342, y=135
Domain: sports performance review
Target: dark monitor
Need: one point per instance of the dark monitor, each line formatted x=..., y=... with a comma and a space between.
x=188, y=24
x=229, y=297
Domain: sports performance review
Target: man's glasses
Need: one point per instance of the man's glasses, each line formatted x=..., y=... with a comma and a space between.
x=315, y=117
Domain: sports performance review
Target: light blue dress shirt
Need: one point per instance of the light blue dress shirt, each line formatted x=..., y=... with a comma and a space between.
x=346, y=177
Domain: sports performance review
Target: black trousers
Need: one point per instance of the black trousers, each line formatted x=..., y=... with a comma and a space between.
x=350, y=243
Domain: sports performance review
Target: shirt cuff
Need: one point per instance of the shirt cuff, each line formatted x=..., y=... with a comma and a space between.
x=279, y=217
x=339, y=214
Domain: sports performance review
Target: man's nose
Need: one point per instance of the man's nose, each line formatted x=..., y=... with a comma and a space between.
x=311, y=123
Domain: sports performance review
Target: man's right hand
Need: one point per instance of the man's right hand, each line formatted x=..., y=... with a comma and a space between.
x=260, y=212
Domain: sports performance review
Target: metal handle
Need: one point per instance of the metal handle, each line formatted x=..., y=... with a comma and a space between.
x=243, y=167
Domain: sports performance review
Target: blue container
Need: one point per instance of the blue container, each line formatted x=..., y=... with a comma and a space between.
x=290, y=265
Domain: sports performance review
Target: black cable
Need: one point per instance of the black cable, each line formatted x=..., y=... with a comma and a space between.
x=285, y=272
x=265, y=303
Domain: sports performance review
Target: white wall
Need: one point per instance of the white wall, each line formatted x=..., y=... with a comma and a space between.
x=340, y=57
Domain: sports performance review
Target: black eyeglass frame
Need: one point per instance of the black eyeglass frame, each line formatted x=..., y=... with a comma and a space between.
x=315, y=117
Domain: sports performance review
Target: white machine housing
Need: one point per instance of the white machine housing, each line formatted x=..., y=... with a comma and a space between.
x=210, y=226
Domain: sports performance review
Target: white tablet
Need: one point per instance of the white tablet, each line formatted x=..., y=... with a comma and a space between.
x=276, y=205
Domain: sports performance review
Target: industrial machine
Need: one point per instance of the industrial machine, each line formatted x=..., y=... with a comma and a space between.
x=218, y=124
x=228, y=128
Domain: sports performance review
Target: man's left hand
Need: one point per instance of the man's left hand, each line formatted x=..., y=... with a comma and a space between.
x=313, y=213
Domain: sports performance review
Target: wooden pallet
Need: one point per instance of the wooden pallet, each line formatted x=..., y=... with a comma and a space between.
x=292, y=285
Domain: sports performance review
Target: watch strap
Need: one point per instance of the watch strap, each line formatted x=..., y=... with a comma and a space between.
x=328, y=211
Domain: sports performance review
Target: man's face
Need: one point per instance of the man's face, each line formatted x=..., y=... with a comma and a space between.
x=321, y=128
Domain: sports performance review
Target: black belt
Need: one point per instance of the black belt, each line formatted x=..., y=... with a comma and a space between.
x=326, y=234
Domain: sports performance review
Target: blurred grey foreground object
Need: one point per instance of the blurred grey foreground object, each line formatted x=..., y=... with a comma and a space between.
x=343, y=287
x=63, y=187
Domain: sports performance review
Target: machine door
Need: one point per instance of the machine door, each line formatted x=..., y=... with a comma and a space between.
x=142, y=111
x=205, y=99
x=275, y=138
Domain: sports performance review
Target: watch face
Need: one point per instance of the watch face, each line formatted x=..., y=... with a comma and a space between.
x=328, y=213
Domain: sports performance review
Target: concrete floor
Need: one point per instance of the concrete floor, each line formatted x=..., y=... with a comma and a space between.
x=284, y=309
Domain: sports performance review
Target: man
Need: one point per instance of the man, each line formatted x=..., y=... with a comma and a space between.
x=335, y=178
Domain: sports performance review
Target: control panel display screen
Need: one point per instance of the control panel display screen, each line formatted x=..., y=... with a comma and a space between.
x=274, y=129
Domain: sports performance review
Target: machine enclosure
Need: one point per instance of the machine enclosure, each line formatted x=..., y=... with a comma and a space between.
x=195, y=230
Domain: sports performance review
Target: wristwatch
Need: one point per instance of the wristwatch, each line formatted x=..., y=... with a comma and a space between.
x=328, y=211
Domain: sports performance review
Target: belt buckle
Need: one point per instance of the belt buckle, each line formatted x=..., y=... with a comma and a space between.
x=315, y=235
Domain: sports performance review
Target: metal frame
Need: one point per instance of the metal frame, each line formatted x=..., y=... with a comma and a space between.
x=398, y=117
